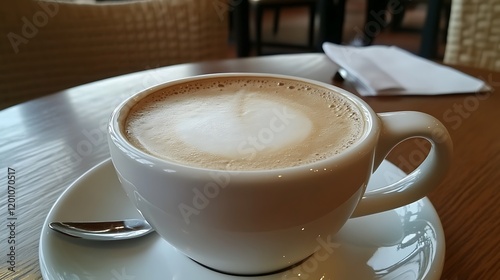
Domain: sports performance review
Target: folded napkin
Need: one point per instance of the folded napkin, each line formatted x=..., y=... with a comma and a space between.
x=389, y=70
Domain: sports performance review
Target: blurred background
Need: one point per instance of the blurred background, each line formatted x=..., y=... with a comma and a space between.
x=293, y=27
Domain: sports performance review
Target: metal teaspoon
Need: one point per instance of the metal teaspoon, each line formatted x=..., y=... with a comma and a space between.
x=104, y=231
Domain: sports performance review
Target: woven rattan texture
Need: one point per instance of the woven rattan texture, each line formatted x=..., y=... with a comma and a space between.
x=49, y=46
x=474, y=34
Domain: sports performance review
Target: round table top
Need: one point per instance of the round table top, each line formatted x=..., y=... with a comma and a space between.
x=49, y=142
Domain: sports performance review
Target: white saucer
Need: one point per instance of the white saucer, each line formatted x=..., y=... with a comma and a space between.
x=405, y=243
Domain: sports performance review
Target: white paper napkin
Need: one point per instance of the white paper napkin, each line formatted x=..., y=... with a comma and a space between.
x=389, y=70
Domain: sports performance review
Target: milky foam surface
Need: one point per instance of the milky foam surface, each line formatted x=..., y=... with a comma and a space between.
x=241, y=124
x=224, y=123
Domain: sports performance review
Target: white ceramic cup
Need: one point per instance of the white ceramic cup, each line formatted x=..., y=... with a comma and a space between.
x=255, y=222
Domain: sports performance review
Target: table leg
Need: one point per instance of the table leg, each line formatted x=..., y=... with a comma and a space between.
x=430, y=32
x=241, y=28
x=331, y=13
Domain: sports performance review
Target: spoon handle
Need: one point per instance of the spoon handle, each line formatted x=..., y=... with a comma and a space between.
x=105, y=230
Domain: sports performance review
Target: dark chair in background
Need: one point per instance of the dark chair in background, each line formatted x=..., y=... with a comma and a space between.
x=437, y=13
x=260, y=6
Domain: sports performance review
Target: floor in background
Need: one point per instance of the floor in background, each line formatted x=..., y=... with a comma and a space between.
x=294, y=23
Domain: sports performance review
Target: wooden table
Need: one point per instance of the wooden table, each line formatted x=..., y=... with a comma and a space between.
x=51, y=141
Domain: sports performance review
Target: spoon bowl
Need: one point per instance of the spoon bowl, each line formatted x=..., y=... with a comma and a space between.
x=104, y=230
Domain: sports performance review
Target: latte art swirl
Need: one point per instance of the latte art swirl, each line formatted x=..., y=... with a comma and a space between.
x=244, y=123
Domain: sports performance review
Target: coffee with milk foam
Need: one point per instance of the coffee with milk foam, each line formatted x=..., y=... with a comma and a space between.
x=244, y=123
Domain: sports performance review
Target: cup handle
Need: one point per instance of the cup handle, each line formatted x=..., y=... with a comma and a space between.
x=397, y=127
